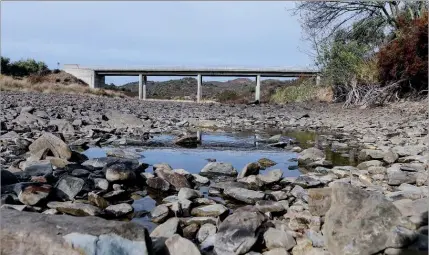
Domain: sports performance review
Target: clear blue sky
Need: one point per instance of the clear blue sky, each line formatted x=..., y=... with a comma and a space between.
x=118, y=33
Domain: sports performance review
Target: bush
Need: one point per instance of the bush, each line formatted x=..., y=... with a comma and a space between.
x=23, y=67
x=227, y=96
x=303, y=92
x=405, y=58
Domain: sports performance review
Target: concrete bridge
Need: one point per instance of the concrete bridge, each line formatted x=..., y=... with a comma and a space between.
x=95, y=76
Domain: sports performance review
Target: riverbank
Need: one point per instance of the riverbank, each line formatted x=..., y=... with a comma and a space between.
x=378, y=206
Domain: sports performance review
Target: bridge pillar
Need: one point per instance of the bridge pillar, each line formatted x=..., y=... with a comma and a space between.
x=199, y=83
x=142, y=86
x=258, y=88
x=317, y=80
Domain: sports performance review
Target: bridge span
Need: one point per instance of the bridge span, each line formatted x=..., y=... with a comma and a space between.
x=95, y=76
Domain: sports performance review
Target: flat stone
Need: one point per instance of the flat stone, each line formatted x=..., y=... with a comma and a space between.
x=166, y=229
x=158, y=183
x=187, y=193
x=218, y=168
x=68, y=187
x=244, y=195
x=49, y=141
x=119, y=209
x=272, y=176
x=275, y=238
x=215, y=210
x=265, y=206
x=159, y=214
x=76, y=209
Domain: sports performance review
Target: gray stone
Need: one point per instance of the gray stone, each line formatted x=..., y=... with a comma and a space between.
x=215, y=210
x=68, y=187
x=319, y=201
x=265, y=163
x=367, y=164
x=101, y=183
x=275, y=238
x=368, y=154
x=200, y=179
x=265, y=206
x=238, y=232
x=244, y=195
x=310, y=155
x=119, y=172
x=97, y=200
x=306, y=181
x=63, y=234
x=396, y=176
x=177, y=245
x=166, y=229
x=300, y=193
x=177, y=181
x=249, y=169
x=159, y=214
x=76, y=209
x=316, y=238
x=279, y=195
x=199, y=220
x=218, y=168
x=187, y=141
x=38, y=168
x=364, y=219
x=271, y=177
x=158, y=183
x=390, y=157
x=49, y=141
x=205, y=231
x=187, y=193
x=276, y=251
x=190, y=231
x=119, y=209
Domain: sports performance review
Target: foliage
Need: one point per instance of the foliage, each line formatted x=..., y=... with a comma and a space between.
x=406, y=57
x=302, y=91
x=22, y=68
x=227, y=96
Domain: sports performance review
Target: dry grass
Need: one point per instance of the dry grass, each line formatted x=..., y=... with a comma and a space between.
x=8, y=83
x=306, y=91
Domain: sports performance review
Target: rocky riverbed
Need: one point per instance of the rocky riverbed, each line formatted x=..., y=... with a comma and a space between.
x=56, y=200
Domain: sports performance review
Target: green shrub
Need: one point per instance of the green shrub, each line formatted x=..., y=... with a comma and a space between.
x=227, y=96
x=23, y=67
x=305, y=91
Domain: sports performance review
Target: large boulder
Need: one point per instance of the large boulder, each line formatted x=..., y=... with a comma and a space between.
x=249, y=169
x=358, y=221
x=176, y=181
x=238, y=232
x=310, y=155
x=244, y=195
x=216, y=169
x=119, y=172
x=177, y=245
x=35, y=233
x=49, y=141
x=68, y=187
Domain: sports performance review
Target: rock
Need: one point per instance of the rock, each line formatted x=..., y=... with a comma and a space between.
x=176, y=180
x=319, y=201
x=176, y=245
x=190, y=231
x=8, y=178
x=316, y=238
x=215, y=210
x=296, y=149
x=300, y=221
x=306, y=181
x=214, y=169
x=187, y=193
x=408, y=207
x=364, y=219
x=33, y=194
x=159, y=214
x=413, y=167
x=279, y=195
x=205, y=231
x=237, y=233
x=158, y=183
x=244, y=195
x=252, y=182
x=182, y=172
x=97, y=200
x=119, y=209
x=276, y=251
x=310, y=155
x=265, y=206
x=299, y=193
x=409, y=150
x=101, y=183
x=367, y=164
x=187, y=141
x=80, y=173
x=199, y=220
x=368, y=154
x=265, y=163
x=200, y=179
x=117, y=119
x=120, y=153
x=38, y=168
x=63, y=234
x=271, y=177
x=76, y=209
x=49, y=141
x=275, y=238
x=390, y=157
x=396, y=176
x=68, y=187
x=119, y=172
x=303, y=247
x=249, y=169
x=166, y=229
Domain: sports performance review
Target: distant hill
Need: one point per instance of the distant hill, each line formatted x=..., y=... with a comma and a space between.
x=186, y=88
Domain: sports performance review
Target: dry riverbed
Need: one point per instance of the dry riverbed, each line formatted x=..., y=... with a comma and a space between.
x=56, y=200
